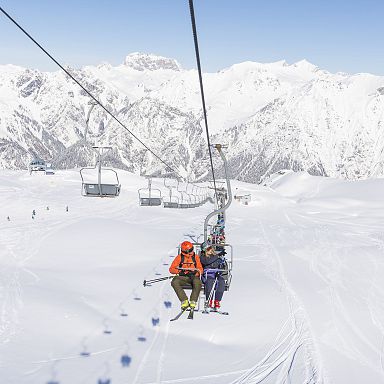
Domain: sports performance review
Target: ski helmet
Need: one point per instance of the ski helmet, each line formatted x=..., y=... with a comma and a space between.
x=186, y=247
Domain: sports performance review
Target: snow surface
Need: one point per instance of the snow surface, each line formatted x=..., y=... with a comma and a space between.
x=306, y=302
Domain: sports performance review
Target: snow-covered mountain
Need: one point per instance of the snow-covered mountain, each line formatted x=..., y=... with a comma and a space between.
x=273, y=116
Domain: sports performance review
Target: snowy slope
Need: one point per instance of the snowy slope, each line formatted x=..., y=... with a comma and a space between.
x=306, y=300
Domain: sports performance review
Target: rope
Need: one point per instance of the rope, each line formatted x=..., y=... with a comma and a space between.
x=193, y=22
x=88, y=93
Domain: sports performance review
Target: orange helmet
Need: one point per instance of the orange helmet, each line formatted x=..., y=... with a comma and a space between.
x=186, y=247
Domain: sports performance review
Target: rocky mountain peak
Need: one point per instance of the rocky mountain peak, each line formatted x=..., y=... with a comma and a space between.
x=141, y=62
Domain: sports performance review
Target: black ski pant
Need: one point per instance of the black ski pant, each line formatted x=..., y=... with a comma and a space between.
x=220, y=288
x=178, y=282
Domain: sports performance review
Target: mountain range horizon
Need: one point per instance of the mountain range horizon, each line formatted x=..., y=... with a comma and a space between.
x=273, y=116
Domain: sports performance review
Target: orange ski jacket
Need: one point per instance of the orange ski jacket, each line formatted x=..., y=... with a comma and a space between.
x=186, y=261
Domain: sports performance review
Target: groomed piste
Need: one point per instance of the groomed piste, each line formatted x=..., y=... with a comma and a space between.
x=306, y=300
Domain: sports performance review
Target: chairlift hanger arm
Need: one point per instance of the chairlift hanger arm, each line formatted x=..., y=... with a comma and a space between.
x=229, y=193
x=196, y=44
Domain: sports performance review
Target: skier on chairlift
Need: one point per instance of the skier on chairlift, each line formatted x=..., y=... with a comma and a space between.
x=211, y=261
x=187, y=267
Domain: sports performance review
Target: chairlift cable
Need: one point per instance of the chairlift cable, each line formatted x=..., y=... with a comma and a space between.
x=196, y=43
x=85, y=90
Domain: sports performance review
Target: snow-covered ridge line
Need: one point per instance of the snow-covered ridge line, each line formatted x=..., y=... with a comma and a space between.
x=273, y=116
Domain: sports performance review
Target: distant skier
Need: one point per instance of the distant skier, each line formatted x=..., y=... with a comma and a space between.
x=66, y=208
x=47, y=208
x=211, y=261
x=188, y=267
x=8, y=218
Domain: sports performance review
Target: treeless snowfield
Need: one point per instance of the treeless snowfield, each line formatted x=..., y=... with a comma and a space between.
x=306, y=301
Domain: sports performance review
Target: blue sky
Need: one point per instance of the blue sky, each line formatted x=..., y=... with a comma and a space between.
x=337, y=35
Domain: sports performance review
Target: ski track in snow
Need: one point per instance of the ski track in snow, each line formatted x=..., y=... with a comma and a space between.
x=293, y=357
x=158, y=334
x=293, y=335
x=342, y=320
x=21, y=245
x=194, y=379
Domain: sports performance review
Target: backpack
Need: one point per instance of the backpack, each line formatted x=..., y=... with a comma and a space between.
x=182, y=261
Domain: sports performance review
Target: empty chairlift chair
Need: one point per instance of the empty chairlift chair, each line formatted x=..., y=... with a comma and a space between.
x=184, y=197
x=49, y=170
x=101, y=188
x=173, y=200
x=150, y=197
x=37, y=165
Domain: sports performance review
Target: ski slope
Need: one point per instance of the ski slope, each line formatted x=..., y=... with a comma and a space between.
x=306, y=302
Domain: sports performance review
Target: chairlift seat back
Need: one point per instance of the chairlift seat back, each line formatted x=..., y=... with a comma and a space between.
x=107, y=190
x=171, y=204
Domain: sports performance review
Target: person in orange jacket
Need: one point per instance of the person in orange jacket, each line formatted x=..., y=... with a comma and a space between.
x=188, y=268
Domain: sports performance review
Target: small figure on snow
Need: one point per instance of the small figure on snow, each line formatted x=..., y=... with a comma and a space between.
x=188, y=268
x=66, y=209
x=8, y=218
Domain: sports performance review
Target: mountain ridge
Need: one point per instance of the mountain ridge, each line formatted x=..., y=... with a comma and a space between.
x=273, y=116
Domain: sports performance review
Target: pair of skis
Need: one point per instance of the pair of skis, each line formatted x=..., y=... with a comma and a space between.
x=191, y=312
x=190, y=315
x=207, y=311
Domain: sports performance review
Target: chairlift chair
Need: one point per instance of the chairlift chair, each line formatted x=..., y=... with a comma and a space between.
x=173, y=201
x=228, y=263
x=150, y=197
x=185, y=200
x=37, y=165
x=227, y=272
x=49, y=170
x=183, y=203
x=100, y=189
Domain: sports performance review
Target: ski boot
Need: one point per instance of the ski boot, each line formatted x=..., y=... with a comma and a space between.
x=184, y=304
x=216, y=305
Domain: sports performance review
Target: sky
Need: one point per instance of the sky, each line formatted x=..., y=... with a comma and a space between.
x=336, y=35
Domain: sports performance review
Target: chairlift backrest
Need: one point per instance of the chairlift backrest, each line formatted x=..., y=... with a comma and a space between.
x=99, y=188
x=37, y=165
x=150, y=197
x=228, y=258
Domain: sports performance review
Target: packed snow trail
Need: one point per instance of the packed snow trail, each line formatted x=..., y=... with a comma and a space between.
x=305, y=303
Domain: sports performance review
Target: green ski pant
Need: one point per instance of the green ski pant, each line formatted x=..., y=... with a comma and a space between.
x=195, y=283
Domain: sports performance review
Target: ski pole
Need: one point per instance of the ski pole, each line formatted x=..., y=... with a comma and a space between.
x=211, y=293
x=149, y=282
